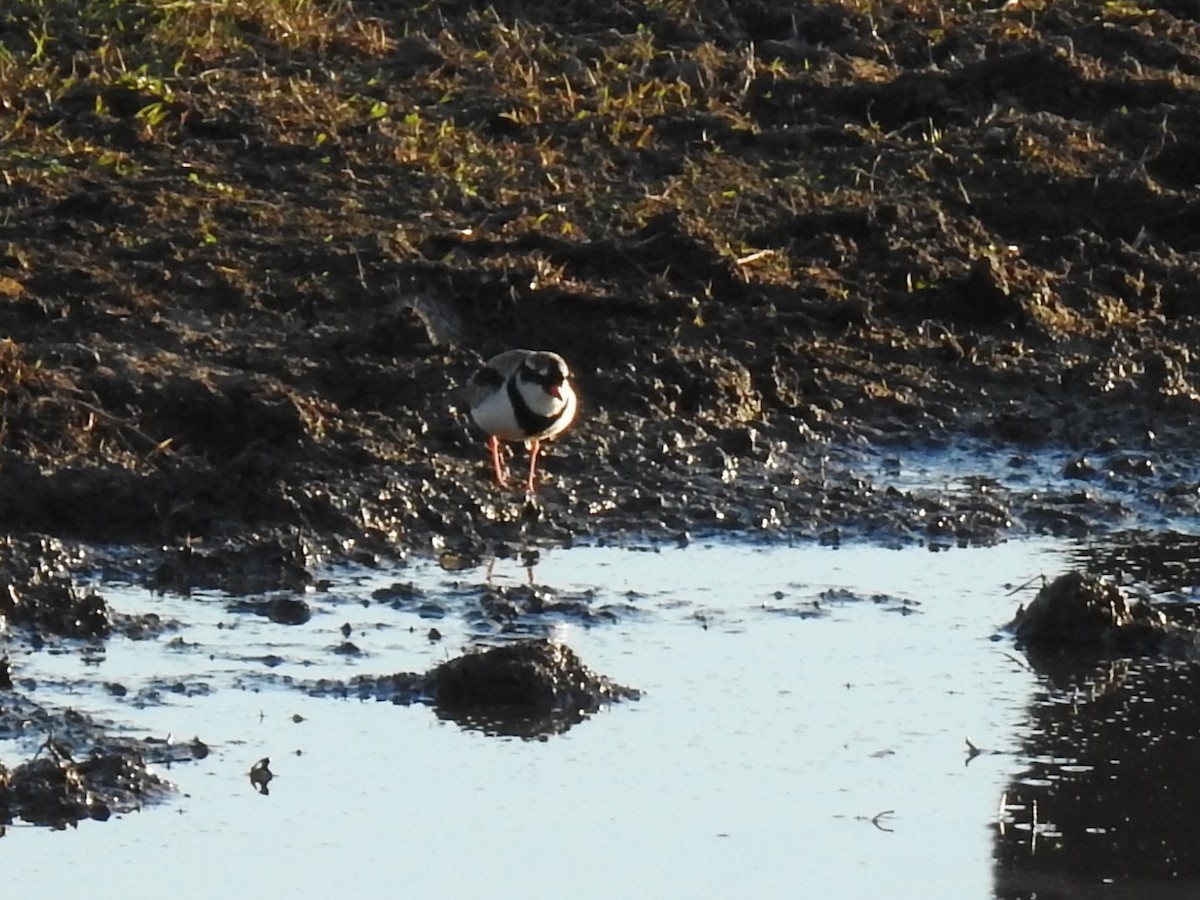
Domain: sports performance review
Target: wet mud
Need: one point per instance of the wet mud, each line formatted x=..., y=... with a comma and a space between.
x=82, y=768
x=778, y=248
x=529, y=688
x=904, y=272
x=1108, y=798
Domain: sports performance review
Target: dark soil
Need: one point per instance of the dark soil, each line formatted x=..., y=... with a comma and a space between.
x=244, y=272
x=250, y=255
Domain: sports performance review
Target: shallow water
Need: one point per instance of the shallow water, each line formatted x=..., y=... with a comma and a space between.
x=803, y=732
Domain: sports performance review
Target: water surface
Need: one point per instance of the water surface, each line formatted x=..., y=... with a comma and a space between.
x=803, y=732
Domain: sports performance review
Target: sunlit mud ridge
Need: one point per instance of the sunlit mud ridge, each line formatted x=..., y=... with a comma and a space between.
x=44, y=597
x=39, y=593
x=528, y=688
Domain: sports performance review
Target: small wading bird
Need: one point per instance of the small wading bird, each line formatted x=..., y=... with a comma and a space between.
x=522, y=395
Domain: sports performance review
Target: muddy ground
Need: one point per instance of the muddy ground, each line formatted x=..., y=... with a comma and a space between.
x=250, y=253
x=246, y=261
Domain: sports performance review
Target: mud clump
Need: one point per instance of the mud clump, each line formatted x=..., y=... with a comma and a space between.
x=38, y=591
x=522, y=607
x=535, y=675
x=1083, y=613
x=528, y=688
x=82, y=771
x=60, y=792
x=245, y=566
x=280, y=610
x=42, y=599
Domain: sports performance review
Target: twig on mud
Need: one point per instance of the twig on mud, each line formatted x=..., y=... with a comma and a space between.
x=755, y=256
x=56, y=750
x=663, y=196
x=155, y=445
x=362, y=272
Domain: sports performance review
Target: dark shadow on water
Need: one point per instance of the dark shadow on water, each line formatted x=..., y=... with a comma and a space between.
x=1110, y=804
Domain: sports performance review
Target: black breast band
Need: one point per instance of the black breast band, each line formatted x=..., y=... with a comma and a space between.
x=529, y=421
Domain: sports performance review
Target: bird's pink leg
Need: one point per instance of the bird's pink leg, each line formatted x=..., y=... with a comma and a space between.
x=534, y=447
x=497, y=468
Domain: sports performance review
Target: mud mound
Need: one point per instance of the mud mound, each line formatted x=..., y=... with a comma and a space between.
x=1081, y=610
x=528, y=688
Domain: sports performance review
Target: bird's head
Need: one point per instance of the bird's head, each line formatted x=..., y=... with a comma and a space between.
x=548, y=370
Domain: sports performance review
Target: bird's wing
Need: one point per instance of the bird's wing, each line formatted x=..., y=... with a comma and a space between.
x=493, y=373
x=507, y=362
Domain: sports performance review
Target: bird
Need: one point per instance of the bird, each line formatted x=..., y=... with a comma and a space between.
x=522, y=395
